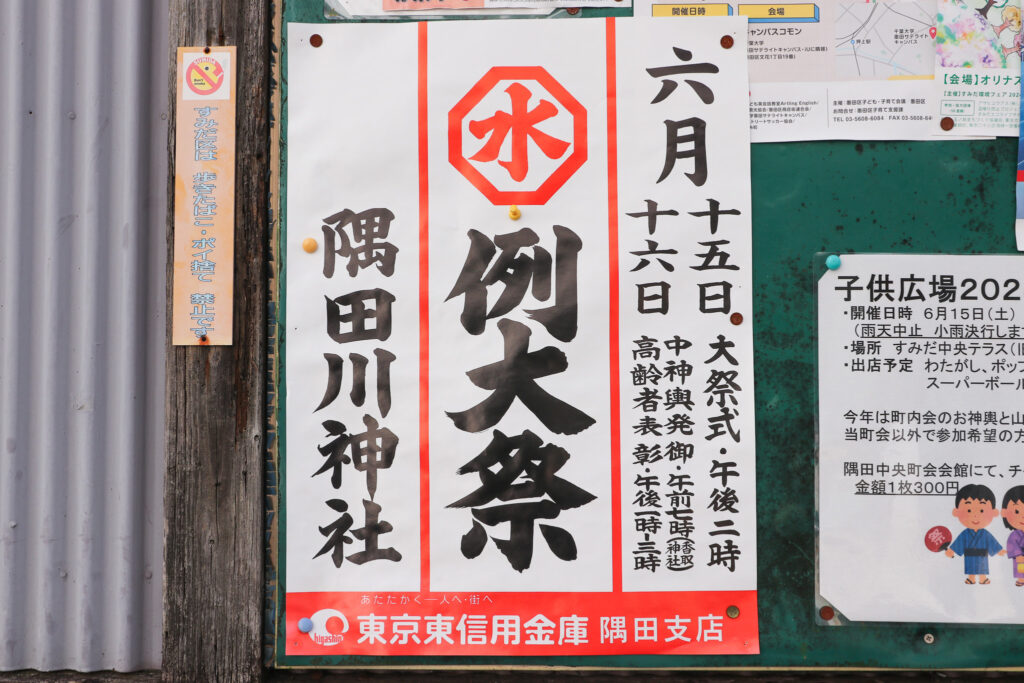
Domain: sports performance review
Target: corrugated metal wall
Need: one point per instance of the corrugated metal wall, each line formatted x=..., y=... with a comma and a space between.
x=83, y=154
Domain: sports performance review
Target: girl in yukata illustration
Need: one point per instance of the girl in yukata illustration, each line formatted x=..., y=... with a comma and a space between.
x=1013, y=518
x=1012, y=23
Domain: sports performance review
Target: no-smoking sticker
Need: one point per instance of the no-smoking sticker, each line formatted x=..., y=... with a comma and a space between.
x=206, y=76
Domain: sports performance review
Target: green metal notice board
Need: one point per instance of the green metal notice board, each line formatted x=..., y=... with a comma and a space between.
x=808, y=198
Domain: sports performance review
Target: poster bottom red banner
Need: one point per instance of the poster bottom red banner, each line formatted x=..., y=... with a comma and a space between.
x=521, y=624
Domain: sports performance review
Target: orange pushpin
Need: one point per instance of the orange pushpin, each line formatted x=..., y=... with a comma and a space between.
x=309, y=245
x=514, y=213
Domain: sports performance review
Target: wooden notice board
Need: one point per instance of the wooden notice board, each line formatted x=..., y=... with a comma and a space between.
x=808, y=198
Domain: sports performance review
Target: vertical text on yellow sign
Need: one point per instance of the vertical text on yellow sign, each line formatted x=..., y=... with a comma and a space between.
x=204, y=197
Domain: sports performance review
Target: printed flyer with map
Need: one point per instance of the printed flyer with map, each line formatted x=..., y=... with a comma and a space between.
x=850, y=69
x=884, y=70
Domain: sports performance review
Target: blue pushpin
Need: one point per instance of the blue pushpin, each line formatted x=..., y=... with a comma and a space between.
x=305, y=624
x=832, y=262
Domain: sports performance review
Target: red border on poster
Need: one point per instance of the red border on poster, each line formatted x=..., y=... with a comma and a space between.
x=546, y=624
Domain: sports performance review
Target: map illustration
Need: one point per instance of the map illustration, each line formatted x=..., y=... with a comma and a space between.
x=883, y=41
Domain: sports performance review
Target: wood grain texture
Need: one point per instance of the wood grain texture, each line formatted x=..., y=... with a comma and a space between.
x=213, y=496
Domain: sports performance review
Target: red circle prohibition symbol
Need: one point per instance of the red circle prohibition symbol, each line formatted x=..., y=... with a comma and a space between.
x=204, y=76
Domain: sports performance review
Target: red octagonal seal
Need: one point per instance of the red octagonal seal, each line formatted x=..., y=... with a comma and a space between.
x=517, y=135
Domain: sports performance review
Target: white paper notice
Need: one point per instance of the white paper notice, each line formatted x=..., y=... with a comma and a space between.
x=921, y=431
x=841, y=69
x=519, y=407
x=327, y=362
x=687, y=412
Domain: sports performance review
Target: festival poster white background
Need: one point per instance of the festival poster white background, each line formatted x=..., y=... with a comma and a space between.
x=342, y=140
x=873, y=563
x=345, y=134
x=642, y=144
x=580, y=205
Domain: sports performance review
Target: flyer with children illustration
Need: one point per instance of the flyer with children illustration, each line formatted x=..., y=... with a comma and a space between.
x=921, y=431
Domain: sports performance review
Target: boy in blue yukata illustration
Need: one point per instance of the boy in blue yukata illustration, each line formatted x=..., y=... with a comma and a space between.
x=975, y=508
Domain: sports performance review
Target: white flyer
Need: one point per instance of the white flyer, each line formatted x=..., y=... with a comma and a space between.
x=921, y=431
x=836, y=70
